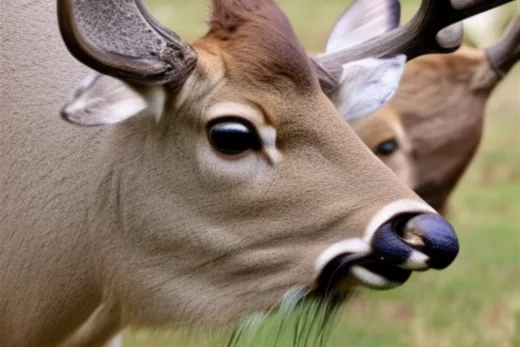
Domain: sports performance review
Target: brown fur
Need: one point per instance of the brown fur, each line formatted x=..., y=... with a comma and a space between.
x=385, y=125
x=240, y=27
x=440, y=104
x=131, y=224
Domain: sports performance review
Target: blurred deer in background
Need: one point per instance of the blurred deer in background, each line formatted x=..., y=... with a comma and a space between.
x=430, y=130
x=201, y=182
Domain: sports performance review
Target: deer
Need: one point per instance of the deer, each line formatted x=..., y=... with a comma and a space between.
x=198, y=183
x=410, y=133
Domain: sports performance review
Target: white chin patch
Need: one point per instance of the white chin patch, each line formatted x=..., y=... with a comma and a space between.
x=370, y=279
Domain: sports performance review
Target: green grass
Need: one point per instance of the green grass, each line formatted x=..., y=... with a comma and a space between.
x=475, y=302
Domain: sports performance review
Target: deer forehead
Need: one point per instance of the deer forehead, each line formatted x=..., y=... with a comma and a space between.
x=260, y=87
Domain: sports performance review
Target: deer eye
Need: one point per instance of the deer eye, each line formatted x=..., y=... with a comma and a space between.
x=386, y=147
x=233, y=136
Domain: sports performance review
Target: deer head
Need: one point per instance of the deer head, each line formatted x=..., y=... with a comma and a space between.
x=430, y=130
x=228, y=177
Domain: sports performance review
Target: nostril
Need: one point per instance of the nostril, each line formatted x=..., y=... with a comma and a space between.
x=392, y=243
x=411, y=236
x=440, y=241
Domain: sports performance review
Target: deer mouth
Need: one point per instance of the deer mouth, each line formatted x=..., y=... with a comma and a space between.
x=369, y=267
x=349, y=270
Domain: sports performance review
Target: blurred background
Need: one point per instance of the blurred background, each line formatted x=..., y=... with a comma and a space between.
x=476, y=301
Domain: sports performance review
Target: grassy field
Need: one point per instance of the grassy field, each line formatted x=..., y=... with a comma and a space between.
x=476, y=302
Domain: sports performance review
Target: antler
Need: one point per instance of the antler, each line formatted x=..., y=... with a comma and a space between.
x=123, y=40
x=434, y=29
x=503, y=55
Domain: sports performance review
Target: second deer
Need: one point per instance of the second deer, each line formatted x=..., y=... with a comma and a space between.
x=429, y=132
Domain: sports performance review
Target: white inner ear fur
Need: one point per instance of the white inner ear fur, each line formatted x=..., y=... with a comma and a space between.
x=363, y=20
x=368, y=84
x=101, y=100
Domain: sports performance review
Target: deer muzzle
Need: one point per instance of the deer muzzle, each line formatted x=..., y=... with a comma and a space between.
x=387, y=256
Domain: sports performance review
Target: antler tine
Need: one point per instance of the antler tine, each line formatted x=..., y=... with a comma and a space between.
x=434, y=29
x=504, y=54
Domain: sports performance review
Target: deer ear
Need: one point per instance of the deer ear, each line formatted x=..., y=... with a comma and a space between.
x=363, y=20
x=101, y=100
x=367, y=84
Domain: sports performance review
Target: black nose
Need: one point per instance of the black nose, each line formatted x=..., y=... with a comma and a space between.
x=417, y=242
